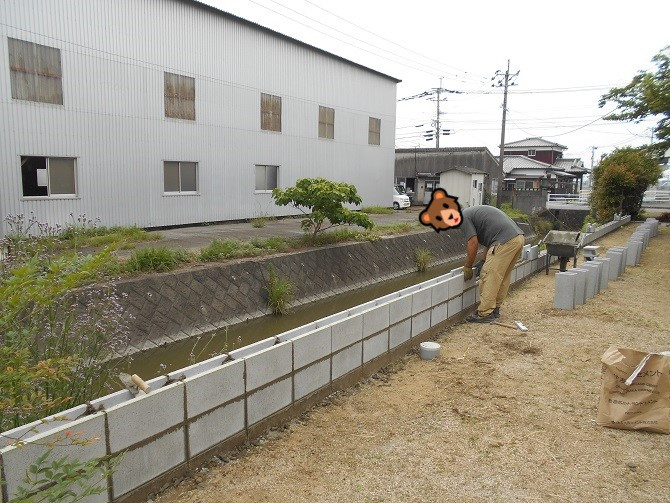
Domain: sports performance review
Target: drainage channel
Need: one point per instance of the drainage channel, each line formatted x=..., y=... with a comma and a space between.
x=164, y=360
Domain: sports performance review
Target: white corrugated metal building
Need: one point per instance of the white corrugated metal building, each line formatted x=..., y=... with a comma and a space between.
x=167, y=112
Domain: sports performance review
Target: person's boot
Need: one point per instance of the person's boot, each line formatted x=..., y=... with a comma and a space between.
x=496, y=312
x=477, y=318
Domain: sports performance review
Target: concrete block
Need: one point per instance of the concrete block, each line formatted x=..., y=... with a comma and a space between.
x=310, y=347
x=591, y=281
x=269, y=364
x=214, y=387
x=631, y=259
x=375, y=346
x=526, y=269
x=156, y=412
x=534, y=252
x=615, y=263
x=421, y=300
x=455, y=306
x=16, y=460
x=638, y=251
x=347, y=332
x=525, y=252
x=438, y=314
x=216, y=426
x=622, y=264
x=469, y=297
x=250, y=349
x=267, y=401
x=580, y=286
x=311, y=378
x=440, y=293
x=598, y=267
x=420, y=323
x=143, y=464
x=456, y=284
x=565, y=289
x=605, y=273
x=375, y=320
x=400, y=309
x=347, y=360
x=515, y=275
x=400, y=333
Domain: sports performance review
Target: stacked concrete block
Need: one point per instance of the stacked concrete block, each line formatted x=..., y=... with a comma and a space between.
x=565, y=291
x=534, y=252
x=269, y=384
x=347, y=344
x=17, y=459
x=605, y=273
x=311, y=361
x=375, y=332
x=215, y=405
x=624, y=257
x=142, y=427
x=591, y=279
x=421, y=305
x=525, y=252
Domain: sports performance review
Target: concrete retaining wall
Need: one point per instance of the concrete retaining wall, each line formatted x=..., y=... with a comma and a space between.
x=218, y=404
x=177, y=305
x=604, y=229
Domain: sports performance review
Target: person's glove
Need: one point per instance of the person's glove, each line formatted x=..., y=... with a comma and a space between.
x=467, y=273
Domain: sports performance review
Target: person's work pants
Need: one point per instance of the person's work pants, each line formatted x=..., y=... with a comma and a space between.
x=496, y=274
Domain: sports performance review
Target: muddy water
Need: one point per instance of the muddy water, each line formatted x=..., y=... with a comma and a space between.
x=163, y=360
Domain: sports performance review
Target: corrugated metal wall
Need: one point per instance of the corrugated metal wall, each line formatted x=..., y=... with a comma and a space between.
x=114, y=54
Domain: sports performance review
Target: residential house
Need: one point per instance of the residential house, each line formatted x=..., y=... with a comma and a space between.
x=171, y=112
x=420, y=169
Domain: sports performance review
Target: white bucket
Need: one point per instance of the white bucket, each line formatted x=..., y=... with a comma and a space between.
x=429, y=350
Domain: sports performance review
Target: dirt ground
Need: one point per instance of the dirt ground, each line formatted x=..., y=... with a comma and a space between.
x=498, y=416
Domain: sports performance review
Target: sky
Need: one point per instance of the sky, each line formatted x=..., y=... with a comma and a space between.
x=567, y=54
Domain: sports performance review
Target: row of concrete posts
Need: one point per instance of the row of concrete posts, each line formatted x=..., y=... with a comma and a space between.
x=576, y=286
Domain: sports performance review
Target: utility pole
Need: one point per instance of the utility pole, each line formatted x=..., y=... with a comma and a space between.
x=593, y=156
x=503, y=81
x=434, y=94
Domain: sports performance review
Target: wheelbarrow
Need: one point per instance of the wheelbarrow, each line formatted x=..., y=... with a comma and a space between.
x=564, y=245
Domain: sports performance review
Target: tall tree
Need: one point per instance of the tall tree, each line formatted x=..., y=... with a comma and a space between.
x=647, y=95
x=620, y=181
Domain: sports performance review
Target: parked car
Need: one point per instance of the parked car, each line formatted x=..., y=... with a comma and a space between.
x=399, y=200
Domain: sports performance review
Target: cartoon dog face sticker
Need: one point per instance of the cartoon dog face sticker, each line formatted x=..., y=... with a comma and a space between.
x=443, y=211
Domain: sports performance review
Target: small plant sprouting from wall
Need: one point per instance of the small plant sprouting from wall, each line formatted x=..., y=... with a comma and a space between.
x=280, y=293
x=423, y=258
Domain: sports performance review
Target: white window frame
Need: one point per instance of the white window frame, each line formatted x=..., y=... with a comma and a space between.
x=532, y=152
x=265, y=191
x=183, y=192
x=49, y=194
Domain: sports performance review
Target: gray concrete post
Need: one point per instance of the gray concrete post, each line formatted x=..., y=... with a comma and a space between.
x=605, y=273
x=591, y=281
x=564, y=293
x=598, y=267
x=615, y=257
x=580, y=285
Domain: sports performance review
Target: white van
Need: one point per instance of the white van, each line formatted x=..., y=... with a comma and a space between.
x=399, y=200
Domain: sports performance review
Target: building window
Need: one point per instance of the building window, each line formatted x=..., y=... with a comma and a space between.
x=179, y=97
x=35, y=72
x=326, y=122
x=270, y=112
x=531, y=153
x=374, y=129
x=180, y=177
x=474, y=184
x=266, y=177
x=48, y=176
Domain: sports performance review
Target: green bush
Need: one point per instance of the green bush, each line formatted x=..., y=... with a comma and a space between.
x=159, y=259
x=226, y=249
x=280, y=293
x=513, y=212
x=588, y=221
x=423, y=258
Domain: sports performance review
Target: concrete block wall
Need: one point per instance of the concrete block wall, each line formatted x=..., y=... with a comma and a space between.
x=220, y=403
x=597, y=273
x=601, y=230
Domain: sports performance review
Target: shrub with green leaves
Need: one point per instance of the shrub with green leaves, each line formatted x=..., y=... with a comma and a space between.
x=423, y=258
x=324, y=199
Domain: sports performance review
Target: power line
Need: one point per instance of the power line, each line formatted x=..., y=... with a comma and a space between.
x=480, y=78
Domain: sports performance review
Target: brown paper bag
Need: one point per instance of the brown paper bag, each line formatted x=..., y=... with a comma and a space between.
x=635, y=392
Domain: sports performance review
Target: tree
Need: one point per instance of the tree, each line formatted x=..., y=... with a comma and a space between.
x=620, y=181
x=325, y=200
x=647, y=95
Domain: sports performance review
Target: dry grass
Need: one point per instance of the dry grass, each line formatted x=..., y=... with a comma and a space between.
x=499, y=416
